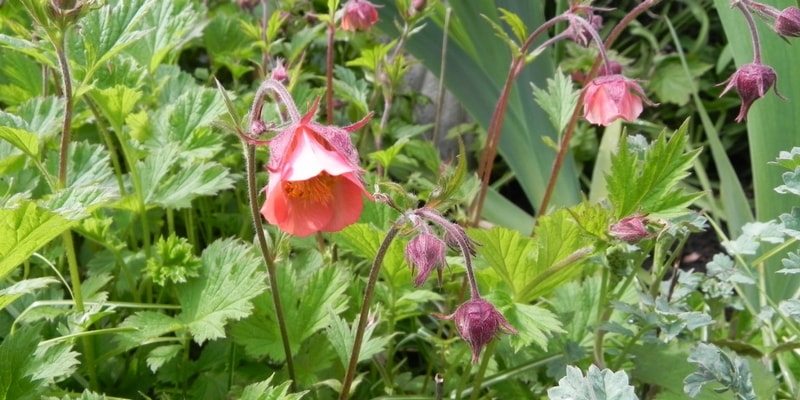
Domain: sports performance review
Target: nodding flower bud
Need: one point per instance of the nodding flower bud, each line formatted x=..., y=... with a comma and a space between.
x=630, y=229
x=579, y=33
x=417, y=6
x=359, y=14
x=478, y=322
x=425, y=252
x=279, y=71
x=751, y=81
x=787, y=23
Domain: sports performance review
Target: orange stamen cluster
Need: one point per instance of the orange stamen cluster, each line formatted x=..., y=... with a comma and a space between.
x=316, y=189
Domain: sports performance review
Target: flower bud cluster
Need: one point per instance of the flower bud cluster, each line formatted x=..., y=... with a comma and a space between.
x=477, y=321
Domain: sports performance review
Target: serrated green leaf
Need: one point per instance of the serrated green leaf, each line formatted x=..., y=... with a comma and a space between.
x=516, y=24
x=21, y=288
x=161, y=355
x=265, y=391
x=53, y=361
x=791, y=265
x=108, y=30
x=18, y=365
x=205, y=179
x=317, y=298
x=789, y=159
x=714, y=365
x=350, y=88
x=533, y=323
x=25, y=229
x=650, y=359
x=597, y=384
x=341, y=336
x=363, y=240
x=791, y=183
x=171, y=25
x=26, y=141
x=229, y=279
x=147, y=325
x=509, y=254
x=558, y=100
x=18, y=83
x=650, y=184
x=116, y=103
x=753, y=234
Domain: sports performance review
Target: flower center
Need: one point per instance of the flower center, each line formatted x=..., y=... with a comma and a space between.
x=318, y=189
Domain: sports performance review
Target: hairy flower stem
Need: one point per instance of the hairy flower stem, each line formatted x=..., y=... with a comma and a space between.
x=252, y=192
x=564, y=143
x=751, y=25
x=496, y=123
x=329, y=72
x=364, y=314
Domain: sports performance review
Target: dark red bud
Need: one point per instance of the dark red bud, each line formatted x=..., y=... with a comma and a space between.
x=788, y=22
x=425, y=252
x=751, y=81
x=630, y=229
x=478, y=322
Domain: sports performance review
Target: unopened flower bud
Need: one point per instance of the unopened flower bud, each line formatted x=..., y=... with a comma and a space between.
x=257, y=128
x=417, y=6
x=630, y=229
x=611, y=68
x=787, y=23
x=279, y=72
x=751, y=81
x=359, y=14
x=426, y=252
x=580, y=33
x=478, y=322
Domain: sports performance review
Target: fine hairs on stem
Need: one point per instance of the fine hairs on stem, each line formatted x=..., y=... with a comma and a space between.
x=252, y=190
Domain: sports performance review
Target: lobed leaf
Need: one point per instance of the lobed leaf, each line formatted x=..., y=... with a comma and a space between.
x=597, y=384
x=25, y=229
x=229, y=279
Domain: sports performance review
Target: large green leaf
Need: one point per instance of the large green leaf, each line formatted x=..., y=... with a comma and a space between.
x=229, y=279
x=171, y=24
x=25, y=229
x=476, y=67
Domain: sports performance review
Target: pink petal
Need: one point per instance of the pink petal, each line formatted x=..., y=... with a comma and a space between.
x=347, y=203
x=310, y=158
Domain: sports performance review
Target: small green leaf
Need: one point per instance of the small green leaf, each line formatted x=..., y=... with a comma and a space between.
x=265, y=391
x=788, y=159
x=533, y=323
x=714, y=365
x=791, y=265
x=116, y=103
x=650, y=182
x=790, y=308
x=670, y=82
x=147, y=325
x=24, y=230
x=791, y=183
x=342, y=336
x=21, y=288
x=753, y=234
x=170, y=25
x=26, y=141
x=161, y=355
x=516, y=24
x=558, y=100
x=597, y=384
x=229, y=279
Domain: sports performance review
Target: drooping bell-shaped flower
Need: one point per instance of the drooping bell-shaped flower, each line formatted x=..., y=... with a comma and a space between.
x=751, y=81
x=611, y=97
x=314, y=178
x=478, y=322
x=359, y=14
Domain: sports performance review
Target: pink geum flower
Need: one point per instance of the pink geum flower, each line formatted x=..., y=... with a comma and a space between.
x=314, y=178
x=478, y=322
x=611, y=97
x=752, y=81
x=359, y=14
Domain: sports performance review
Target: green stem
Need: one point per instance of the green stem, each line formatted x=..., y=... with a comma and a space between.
x=66, y=129
x=478, y=379
x=364, y=315
x=329, y=72
x=252, y=190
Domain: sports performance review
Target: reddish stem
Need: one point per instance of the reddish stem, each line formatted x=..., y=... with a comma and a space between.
x=564, y=144
x=329, y=74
